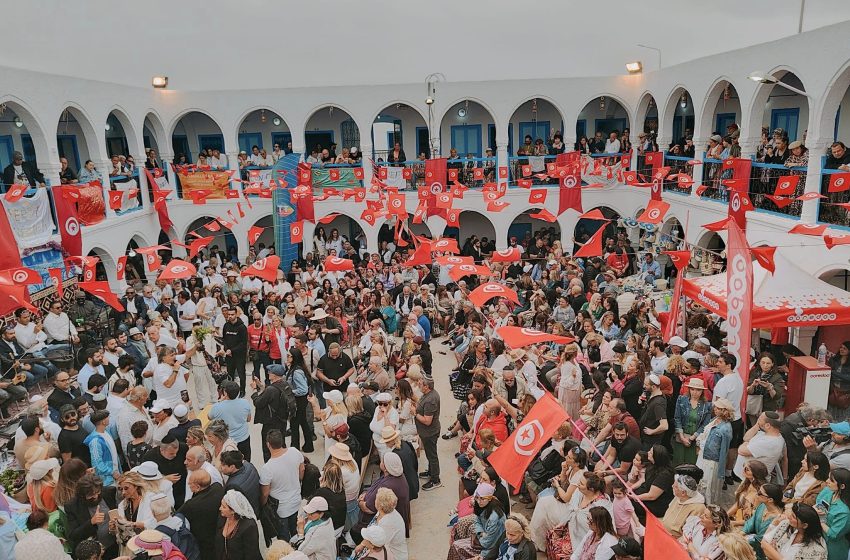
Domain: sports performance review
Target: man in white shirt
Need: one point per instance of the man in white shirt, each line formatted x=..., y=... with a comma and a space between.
x=186, y=313
x=133, y=412
x=31, y=337
x=196, y=458
x=212, y=278
x=659, y=359
x=116, y=399
x=731, y=387
x=251, y=285
x=764, y=442
x=58, y=326
x=94, y=364
x=256, y=158
x=280, y=478
x=612, y=145
x=163, y=420
x=111, y=353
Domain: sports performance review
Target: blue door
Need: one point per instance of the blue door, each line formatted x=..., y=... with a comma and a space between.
x=607, y=126
x=581, y=128
x=67, y=144
x=423, y=142
x=787, y=119
x=247, y=140
x=211, y=142
x=28, y=149
x=724, y=120
x=318, y=138
x=180, y=144
x=7, y=147
x=282, y=138
x=519, y=231
x=466, y=139
x=491, y=138
x=535, y=129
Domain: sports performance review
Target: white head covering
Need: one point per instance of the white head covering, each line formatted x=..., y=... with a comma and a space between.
x=240, y=505
x=392, y=463
x=42, y=468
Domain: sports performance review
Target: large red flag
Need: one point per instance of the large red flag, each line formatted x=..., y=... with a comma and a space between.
x=159, y=203
x=593, y=247
x=10, y=257
x=13, y=297
x=739, y=297
x=658, y=543
x=100, y=289
x=512, y=458
x=739, y=200
x=177, y=268
x=435, y=183
x=305, y=207
x=511, y=254
x=519, y=337
x=655, y=212
x=264, y=268
x=569, y=175
x=680, y=260
x=489, y=290
x=69, y=225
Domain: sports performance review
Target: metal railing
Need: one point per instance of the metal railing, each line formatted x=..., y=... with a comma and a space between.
x=678, y=166
x=828, y=210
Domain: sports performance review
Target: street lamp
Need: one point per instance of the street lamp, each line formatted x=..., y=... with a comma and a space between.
x=764, y=78
x=430, y=96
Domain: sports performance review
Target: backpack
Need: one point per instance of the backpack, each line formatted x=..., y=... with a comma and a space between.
x=183, y=539
x=285, y=407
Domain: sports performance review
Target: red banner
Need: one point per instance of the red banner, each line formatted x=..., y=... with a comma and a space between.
x=680, y=260
x=512, y=458
x=739, y=293
x=569, y=173
x=159, y=203
x=69, y=225
x=91, y=208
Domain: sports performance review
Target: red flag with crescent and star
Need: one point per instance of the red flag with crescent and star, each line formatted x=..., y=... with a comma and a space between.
x=680, y=260
x=569, y=176
x=512, y=458
x=69, y=226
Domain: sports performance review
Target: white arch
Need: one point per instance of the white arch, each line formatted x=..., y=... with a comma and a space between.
x=172, y=126
x=835, y=91
x=33, y=124
x=665, y=118
x=709, y=105
x=762, y=94
x=95, y=143
x=643, y=109
x=129, y=130
x=389, y=104
x=157, y=129
x=477, y=100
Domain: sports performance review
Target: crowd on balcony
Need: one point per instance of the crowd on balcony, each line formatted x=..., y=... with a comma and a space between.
x=320, y=157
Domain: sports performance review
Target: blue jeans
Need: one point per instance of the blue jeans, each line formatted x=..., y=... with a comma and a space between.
x=36, y=373
x=287, y=527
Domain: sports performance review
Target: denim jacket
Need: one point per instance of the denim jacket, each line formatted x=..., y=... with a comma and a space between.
x=683, y=410
x=717, y=445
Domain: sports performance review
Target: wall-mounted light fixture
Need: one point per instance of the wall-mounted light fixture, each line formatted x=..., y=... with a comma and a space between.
x=159, y=82
x=634, y=67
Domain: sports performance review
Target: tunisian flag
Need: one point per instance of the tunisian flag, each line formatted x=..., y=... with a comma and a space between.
x=487, y=291
x=159, y=195
x=435, y=183
x=519, y=337
x=69, y=226
x=100, y=289
x=680, y=260
x=739, y=297
x=264, y=268
x=569, y=175
x=512, y=458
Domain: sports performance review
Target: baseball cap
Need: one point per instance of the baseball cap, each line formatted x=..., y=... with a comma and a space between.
x=841, y=428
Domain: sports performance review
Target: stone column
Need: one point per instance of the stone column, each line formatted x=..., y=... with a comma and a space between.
x=809, y=213
x=233, y=163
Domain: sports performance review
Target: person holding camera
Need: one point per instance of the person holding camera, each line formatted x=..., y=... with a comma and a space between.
x=837, y=448
x=766, y=391
x=796, y=426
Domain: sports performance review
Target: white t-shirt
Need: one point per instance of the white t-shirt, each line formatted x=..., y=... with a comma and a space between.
x=281, y=475
x=186, y=309
x=171, y=394
x=765, y=448
x=731, y=387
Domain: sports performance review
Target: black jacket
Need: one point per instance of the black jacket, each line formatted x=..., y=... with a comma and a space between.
x=8, y=356
x=141, y=307
x=202, y=512
x=275, y=405
x=247, y=481
x=235, y=337
x=57, y=399
x=34, y=176
x=243, y=544
x=78, y=525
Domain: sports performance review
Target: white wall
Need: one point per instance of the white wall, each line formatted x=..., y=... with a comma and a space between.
x=545, y=112
x=195, y=124
x=323, y=120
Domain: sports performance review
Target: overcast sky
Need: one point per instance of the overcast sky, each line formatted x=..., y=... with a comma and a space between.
x=219, y=44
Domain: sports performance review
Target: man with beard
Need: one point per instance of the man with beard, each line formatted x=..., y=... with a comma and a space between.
x=87, y=517
x=170, y=457
x=72, y=437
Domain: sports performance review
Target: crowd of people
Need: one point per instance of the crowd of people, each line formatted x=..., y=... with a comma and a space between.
x=145, y=440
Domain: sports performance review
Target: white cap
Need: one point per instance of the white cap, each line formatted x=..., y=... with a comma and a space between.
x=159, y=405
x=181, y=411
x=316, y=504
x=678, y=341
x=691, y=354
x=334, y=396
x=375, y=535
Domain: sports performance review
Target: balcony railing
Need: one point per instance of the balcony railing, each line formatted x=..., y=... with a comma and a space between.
x=678, y=166
x=828, y=210
x=407, y=175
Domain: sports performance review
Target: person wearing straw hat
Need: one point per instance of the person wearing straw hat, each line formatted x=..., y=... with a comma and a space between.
x=692, y=415
x=713, y=444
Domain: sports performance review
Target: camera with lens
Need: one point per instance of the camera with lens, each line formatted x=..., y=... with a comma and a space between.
x=761, y=389
x=820, y=435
